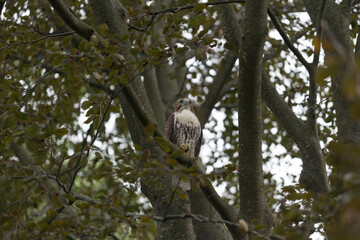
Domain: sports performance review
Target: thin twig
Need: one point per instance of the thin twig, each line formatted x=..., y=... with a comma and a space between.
x=312, y=73
x=287, y=40
x=28, y=43
x=180, y=216
x=178, y=9
x=37, y=82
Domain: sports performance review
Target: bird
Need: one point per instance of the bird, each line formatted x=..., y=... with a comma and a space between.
x=183, y=128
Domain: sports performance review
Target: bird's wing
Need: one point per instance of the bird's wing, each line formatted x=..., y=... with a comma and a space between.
x=169, y=129
x=198, y=144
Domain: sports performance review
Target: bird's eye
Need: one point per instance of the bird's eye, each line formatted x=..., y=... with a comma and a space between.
x=181, y=101
x=190, y=102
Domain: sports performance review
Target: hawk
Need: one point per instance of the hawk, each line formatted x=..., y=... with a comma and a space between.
x=184, y=129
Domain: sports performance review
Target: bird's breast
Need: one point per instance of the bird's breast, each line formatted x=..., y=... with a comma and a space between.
x=187, y=117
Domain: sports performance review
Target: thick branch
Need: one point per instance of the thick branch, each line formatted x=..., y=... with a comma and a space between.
x=22, y=154
x=153, y=92
x=292, y=124
x=71, y=20
x=222, y=208
x=232, y=31
x=215, y=89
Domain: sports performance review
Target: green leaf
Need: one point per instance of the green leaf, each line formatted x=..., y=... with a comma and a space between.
x=200, y=7
x=84, y=162
x=172, y=161
x=61, y=132
x=231, y=46
x=107, y=62
x=69, y=197
x=56, y=202
x=85, y=105
x=57, y=60
x=149, y=129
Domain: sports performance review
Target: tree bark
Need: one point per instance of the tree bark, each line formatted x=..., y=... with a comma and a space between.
x=206, y=230
x=337, y=18
x=253, y=206
x=313, y=174
x=113, y=14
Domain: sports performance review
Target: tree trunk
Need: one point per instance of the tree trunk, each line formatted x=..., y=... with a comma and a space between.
x=253, y=204
x=113, y=14
x=337, y=18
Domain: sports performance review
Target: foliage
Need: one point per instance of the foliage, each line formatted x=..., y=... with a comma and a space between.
x=76, y=135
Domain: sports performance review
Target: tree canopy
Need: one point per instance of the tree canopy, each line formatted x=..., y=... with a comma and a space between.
x=86, y=87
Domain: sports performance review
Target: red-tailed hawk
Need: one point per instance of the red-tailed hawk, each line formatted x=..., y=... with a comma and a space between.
x=184, y=130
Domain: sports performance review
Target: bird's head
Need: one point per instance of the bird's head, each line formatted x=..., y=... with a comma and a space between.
x=184, y=103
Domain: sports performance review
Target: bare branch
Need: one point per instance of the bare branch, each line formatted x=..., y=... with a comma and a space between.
x=71, y=20
x=198, y=217
x=286, y=39
x=22, y=154
x=224, y=210
x=37, y=82
x=272, y=53
x=216, y=87
x=28, y=43
x=292, y=124
x=178, y=9
x=312, y=72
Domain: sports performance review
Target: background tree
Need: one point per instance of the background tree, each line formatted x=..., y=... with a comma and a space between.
x=86, y=88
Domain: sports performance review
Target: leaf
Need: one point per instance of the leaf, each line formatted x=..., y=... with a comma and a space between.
x=90, y=119
x=321, y=75
x=84, y=162
x=181, y=194
x=231, y=46
x=113, y=73
x=85, y=105
x=61, y=132
x=163, y=144
x=69, y=197
x=57, y=60
x=145, y=219
x=149, y=129
x=107, y=62
x=200, y=7
x=172, y=161
x=56, y=202
x=289, y=189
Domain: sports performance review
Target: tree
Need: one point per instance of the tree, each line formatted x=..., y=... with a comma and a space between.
x=70, y=68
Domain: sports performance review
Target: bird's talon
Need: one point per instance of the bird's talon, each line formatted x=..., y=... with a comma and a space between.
x=184, y=147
